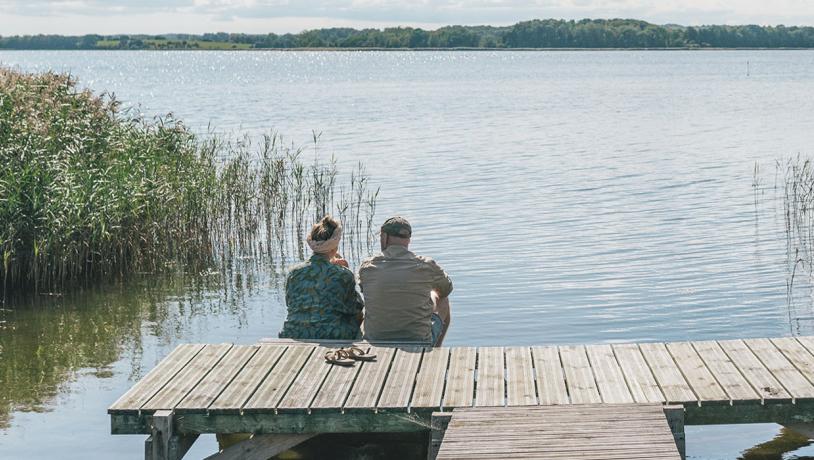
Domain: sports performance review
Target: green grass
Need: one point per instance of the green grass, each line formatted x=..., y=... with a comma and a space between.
x=88, y=192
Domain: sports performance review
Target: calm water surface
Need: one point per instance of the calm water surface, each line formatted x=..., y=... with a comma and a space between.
x=575, y=197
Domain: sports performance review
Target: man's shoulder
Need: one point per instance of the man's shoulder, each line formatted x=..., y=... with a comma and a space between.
x=372, y=261
x=425, y=259
x=380, y=257
x=428, y=261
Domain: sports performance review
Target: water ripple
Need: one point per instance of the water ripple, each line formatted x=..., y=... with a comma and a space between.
x=575, y=197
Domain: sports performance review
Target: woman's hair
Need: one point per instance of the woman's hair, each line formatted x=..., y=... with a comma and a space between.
x=324, y=229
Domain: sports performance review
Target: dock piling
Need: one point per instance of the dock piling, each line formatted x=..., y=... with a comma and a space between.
x=163, y=443
x=438, y=422
x=675, y=418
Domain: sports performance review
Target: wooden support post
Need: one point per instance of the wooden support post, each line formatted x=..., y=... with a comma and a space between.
x=261, y=447
x=148, y=448
x=163, y=443
x=675, y=418
x=438, y=423
x=180, y=445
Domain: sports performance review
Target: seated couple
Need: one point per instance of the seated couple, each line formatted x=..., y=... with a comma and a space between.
x=405, y=295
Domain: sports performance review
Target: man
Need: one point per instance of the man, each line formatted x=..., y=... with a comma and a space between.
x=406, y=296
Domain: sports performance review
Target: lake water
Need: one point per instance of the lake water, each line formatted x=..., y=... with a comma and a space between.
x=575, y=197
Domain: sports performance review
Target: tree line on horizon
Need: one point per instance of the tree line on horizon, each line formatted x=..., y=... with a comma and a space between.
x=538, y=33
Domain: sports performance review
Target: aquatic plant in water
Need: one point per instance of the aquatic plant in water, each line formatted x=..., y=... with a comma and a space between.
x=89, y=191
x=798, y=208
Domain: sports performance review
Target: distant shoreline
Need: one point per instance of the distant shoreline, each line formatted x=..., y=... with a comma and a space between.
x=531, y=35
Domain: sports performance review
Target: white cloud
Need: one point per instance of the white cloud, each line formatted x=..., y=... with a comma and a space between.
x=260, y=16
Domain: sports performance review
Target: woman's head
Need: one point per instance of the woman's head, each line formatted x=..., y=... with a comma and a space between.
x=324, y=229
x=325, y=236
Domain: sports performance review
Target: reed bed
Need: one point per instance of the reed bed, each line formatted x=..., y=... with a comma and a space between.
x=798, y=208
x=89, y=191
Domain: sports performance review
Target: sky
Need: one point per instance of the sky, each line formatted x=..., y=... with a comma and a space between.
x=78, y=17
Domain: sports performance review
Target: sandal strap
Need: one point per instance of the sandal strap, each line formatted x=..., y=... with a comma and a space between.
x=342, y=353
x=339, y=353
x=354, y=351
x=359, y=354
x=339, y=357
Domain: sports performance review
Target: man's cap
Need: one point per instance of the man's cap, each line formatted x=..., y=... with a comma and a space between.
x=397, y=226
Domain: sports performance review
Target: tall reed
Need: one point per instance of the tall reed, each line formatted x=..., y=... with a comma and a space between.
x=270, y=197
x=798, y=207
x=88, y=191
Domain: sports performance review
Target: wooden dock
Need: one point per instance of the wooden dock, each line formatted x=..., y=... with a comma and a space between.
x=627, y=431
x=287, y=387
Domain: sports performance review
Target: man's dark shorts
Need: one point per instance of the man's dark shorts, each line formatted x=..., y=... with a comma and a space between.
x=437, y=327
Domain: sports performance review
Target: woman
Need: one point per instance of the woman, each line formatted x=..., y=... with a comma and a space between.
x=321, y=294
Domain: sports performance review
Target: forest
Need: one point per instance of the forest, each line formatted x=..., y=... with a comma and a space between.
x=545, y=33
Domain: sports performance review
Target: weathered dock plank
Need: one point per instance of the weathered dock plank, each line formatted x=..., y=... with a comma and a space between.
x=272, y=389
x=429, y=386
x=248, y=379
x=622, y=431
x=807, y=342
x=725, y=372
x=695, y=371
x=365, y=393
x=520, y=387
x=755, y=372
x=398, y=387
x=799, y=356
x=460, y=390
x=490, y=386
x=211, y=386
x=637, y=373
x=579, y=376
x=305, y=387
x=183, y=382
x=673, y=385
x=781, y=368
x=551, y=386
x=337, y=385
x=609, y=377
x=155, y=380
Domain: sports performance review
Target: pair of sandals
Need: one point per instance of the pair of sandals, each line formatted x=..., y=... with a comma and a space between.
x=348, y=356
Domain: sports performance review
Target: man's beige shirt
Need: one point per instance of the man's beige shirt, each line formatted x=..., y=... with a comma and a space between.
x=396, y=285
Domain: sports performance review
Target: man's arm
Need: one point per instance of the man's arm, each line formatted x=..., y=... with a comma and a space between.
x=441, y=282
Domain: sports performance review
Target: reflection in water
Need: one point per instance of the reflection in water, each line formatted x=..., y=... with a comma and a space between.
x=42, y=345
x=786, y=441
x=46, y=341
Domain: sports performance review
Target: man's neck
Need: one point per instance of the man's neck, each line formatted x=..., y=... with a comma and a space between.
x=396, y=248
